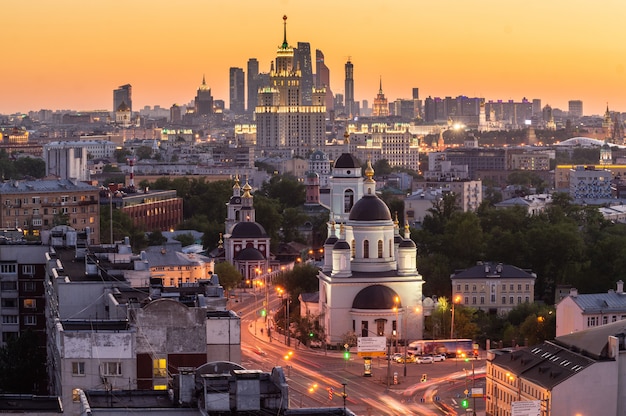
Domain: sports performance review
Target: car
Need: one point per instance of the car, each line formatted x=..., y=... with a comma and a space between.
x=439, y=357
x=409, y=359
x=316, y=343
x=424, y=359
x=394, y=357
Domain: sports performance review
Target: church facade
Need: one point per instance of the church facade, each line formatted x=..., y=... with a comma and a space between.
x=369, y=284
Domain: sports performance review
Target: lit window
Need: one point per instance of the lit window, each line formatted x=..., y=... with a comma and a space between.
x=30, y=303
x=159, y=367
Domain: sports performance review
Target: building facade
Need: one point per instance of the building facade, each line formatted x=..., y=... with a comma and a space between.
x=578, y=312
x=284, y=124
x=576, y=374
x=123, y=95
x=369, y=284
x=237, y=91
x=37, y=206
x=493, y=287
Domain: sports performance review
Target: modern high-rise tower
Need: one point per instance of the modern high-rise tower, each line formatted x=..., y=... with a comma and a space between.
x=349, y=106
x=322, y=78
x=303, y=59
x=253, y=84
x=575, y=108
x=286, y=126
x=123, y=94
x=204, y=100
x=237, y=91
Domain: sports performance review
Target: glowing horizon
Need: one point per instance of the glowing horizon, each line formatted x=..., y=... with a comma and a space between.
x=72, y=54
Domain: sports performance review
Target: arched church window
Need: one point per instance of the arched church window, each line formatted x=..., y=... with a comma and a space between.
x=366, y=249
x=380, y=249
x=348, y=200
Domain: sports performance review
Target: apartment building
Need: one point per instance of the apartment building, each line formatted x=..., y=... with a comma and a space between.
x=40, y=205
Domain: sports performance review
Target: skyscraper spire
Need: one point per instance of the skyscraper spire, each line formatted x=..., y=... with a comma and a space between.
x=285, y=45
x=380, y=88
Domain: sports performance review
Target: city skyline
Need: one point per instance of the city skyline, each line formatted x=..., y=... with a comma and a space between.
x=72, y=55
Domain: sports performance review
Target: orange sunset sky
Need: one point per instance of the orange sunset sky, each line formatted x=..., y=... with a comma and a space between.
x=71, y=54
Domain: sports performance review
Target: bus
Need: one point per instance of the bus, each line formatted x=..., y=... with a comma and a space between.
x=449, y=347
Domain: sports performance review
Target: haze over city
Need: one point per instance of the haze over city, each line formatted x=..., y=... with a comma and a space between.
x=71, y=54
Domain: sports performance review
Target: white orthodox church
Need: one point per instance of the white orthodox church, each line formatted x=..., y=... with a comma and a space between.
x=369, y=283
x=246, y=243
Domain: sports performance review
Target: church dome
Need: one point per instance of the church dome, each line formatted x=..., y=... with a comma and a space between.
x=370, y=208
x=375, y=297
x=341, y=245
x=250, y=253
x=346, y=160
x=407, y=243
x=248, y=230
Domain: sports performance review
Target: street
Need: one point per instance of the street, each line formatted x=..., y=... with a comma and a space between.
x=317, y=378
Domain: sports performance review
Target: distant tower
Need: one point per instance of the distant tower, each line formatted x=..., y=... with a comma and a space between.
x=532, y=137
x=237, y=91
x=131, y=179
x=607, y=124
x=606, y=154
x=575, y=108
x=322, y=78
x=349, y=90
x=253, y=84
x=284, y=124
x=482, y=116
x=175, y=114
x=312, y=189
x=380, y=108
x=204, y=100
x=123, y=94
x=302, y=55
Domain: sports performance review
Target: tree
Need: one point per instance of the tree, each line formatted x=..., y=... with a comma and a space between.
x=120, y=155
x=156, y=238
x=30, y=166
x=144, y=152
x=185, y=239
x=289, y=192
x=22, y=365
x=381, y=167
x=228, y=275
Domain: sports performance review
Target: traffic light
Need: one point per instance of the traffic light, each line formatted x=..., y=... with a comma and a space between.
x=346, y=355
x=263, y=312
x=464, y=403
x=310, y=334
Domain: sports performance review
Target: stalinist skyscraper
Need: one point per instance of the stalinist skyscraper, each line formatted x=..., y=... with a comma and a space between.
x=285, y=126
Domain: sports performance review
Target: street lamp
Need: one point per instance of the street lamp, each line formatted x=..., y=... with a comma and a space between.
x=457, y=299
x=280, y=292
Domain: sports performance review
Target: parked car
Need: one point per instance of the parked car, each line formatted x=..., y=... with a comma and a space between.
x=439, y=357
x=409, y=359
x=394, y=357
x=316, y=343
x=424, y=359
